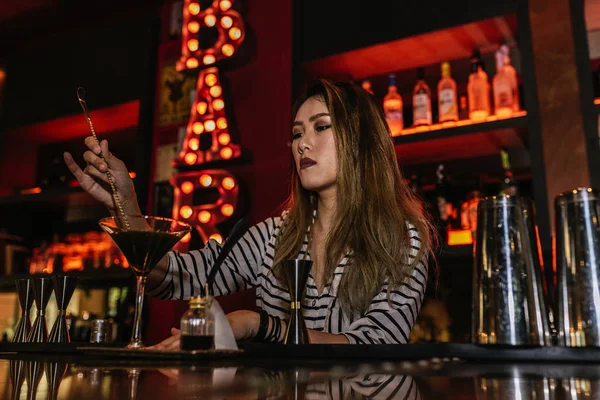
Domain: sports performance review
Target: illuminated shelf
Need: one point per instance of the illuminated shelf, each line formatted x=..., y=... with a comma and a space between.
x=88, y=279
x=415, y=51
x=465, y=140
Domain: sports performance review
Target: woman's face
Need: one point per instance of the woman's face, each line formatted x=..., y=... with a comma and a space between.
x=313, y=146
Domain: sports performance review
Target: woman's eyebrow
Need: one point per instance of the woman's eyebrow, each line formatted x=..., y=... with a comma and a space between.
x=312, y=118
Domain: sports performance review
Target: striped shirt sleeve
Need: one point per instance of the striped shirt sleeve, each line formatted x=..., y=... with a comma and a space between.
x=187, y=273
x=390, y=321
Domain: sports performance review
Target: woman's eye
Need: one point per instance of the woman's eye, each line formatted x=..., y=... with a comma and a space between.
x=322, y=128
x=296, y=135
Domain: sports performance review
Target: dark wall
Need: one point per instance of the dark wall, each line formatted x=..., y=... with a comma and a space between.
x=108, y=59
x=328, y=27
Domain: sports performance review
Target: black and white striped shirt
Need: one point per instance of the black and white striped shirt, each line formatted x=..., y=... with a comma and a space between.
x=250, y=266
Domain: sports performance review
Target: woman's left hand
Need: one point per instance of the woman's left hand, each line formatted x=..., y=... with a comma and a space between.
x=244, y=324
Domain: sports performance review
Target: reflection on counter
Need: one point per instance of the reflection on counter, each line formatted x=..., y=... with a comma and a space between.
x=414, y=380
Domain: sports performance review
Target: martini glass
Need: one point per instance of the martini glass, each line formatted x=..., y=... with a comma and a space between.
x=144, y=241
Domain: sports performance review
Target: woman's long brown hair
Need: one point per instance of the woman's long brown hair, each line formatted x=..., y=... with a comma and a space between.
x=374, y=204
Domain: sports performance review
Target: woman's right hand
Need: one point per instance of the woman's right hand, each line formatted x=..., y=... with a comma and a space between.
x=170, y=343
x=94, y=180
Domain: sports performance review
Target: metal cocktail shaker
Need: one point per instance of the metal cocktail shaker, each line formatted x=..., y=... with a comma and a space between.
x=508, y=297
x=577, y=252
x=296, y=276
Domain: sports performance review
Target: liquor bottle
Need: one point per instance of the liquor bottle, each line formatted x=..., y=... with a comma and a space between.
x=478, y=89
x=366, y=84
x=447, y=104
x=421, y=101
x=503, y=89
x=468, y=211
x=392, y=107
x=198, y=325
x=512, y=73
x=509, y=183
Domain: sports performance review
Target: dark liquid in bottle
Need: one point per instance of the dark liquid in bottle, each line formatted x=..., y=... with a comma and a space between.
x=143, y=249
x=189, y=342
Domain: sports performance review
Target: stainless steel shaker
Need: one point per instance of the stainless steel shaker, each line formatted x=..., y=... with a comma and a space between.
x=577, y=259
x=508, y=299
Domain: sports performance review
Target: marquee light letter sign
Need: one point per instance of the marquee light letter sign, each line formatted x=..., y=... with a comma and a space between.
x=208, y=36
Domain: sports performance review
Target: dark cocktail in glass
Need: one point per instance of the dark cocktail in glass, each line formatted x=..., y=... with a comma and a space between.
x=144, y=241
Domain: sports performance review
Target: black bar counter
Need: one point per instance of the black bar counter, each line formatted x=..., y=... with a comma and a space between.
x=423, y=371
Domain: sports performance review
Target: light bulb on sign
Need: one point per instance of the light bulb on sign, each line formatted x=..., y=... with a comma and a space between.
x=222, y=123
x=187, y=187
x=190, y=158
x=206, y=180
x=224, y=139
x=226, y=22
x=208, y=59
x=218, y=238
x=210, y=20
x=198, y=128
x=235, y=33
x=193, y=27
x=228, y=183
x=194, y=144
x=194, y=8
x=227, y=50
x=186, y=212
x=201, y=108
x=210, y=79
x=227, y=210
x=226, y=153
x=204, y=217
x=218, y=104
x=215, y=91
x=209, y=125
x=191, y=63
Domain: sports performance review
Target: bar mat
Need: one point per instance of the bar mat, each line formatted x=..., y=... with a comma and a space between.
x=116, y=352
x=425, y=351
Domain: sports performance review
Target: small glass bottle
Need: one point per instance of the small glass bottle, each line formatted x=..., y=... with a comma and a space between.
x=478, y=90
x=512, y=73
x=198, y=325
x=392, y=107
x=503, y=89
x=421, y=101
x=447, y=104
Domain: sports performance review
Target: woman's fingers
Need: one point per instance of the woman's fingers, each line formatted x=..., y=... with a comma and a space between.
x=169, y=344
x=92, y=144
x=74, y=168
x=93, y=171
x=112, y=161
x=94, y=160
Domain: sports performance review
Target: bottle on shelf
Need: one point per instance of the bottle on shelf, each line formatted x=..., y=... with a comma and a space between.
x=478, y=89
x=421, y=101
x=392, y=107
x=509, y=183
x=366, y=84
x=512, y=74
x=447, y=101
x=198, y=325
x=468, y=211
x=503, y=89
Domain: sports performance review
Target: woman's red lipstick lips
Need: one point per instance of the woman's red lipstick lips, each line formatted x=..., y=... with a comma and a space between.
x=307, y=162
